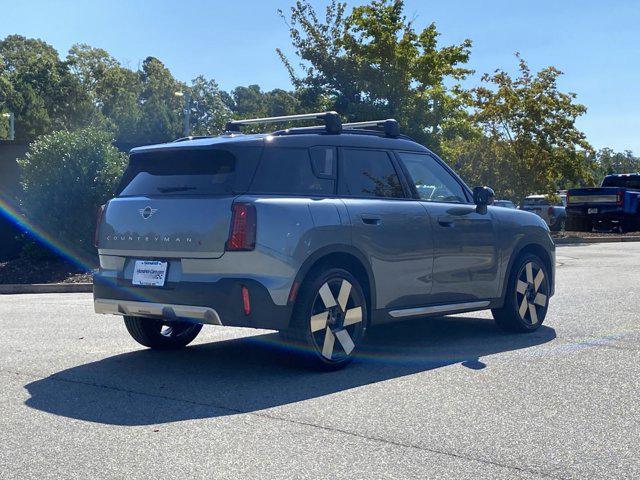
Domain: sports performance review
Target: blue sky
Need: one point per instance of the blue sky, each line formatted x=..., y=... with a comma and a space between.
x=596, y=43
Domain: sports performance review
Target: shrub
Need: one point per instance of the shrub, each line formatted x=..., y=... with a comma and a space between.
x=66, y=176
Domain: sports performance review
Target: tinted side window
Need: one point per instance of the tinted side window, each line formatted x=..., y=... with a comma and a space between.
x=289, y=171
x=433, y=182
x=369, y=173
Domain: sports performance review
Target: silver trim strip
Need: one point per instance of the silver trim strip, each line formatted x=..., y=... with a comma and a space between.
x=453, y=307
x=156, y=310
x=158, y=253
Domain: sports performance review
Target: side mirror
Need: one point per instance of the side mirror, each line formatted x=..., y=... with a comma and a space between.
x=483, y=196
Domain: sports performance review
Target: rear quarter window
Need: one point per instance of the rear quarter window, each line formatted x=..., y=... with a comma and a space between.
x=291, y=171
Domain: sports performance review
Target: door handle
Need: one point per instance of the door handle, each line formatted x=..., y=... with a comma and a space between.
x=371, y=220
x=445, y=222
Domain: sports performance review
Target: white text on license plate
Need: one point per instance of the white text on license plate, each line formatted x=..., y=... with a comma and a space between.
x=149, y=273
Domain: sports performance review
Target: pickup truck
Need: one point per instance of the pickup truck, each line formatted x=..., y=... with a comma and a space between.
x=612, y=206
x=553, y=213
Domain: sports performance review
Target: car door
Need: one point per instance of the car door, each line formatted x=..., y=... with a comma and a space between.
x=465, y=267
x=388, y=226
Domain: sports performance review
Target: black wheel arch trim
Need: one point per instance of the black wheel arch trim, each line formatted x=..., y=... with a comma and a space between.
x=523, y=244
x=325, y=251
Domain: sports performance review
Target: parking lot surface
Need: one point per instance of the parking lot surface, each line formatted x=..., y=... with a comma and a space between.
x=430, y=398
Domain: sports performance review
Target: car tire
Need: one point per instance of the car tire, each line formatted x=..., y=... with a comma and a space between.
x=559, y=225
x=161, y=335
x=329, y=319
x=527, y=298
x=629, y=225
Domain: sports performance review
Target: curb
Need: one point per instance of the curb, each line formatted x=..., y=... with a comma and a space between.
x=46, y=288
x=572, y=240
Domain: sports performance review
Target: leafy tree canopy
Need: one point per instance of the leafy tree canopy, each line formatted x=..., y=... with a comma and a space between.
x=525, y=140
x=372, y=63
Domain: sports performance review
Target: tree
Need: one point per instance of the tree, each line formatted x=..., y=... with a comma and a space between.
x=65, y=177
x=209, y=113
x=160, y=109
x=252, y=102
x=113, y=89
x=373, y=64
x=609, y=162
x=40, y=89
x=526, y=140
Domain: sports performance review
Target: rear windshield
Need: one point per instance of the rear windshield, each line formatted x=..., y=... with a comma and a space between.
x=535, y=201
x=632, y=181
x=182, y=172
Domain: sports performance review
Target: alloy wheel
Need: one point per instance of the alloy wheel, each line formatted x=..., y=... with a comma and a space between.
x=532, y=293
x=337, y=319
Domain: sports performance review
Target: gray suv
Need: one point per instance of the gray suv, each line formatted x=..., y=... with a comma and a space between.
x=317, y=232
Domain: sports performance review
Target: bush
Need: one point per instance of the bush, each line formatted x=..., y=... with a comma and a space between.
x=66, y=176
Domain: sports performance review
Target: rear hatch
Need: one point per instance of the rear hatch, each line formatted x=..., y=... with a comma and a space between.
x=176, y=202
x=535, y=205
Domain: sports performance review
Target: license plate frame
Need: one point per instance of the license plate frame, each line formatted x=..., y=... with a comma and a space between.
x=592, y=211
x=149, y=273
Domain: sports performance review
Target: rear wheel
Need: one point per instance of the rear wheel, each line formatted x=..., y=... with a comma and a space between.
x=527, y=299
x=161, y=334
x=329, y=319
x=559, y=225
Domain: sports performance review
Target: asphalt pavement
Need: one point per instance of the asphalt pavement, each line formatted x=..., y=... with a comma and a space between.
x=432, y=398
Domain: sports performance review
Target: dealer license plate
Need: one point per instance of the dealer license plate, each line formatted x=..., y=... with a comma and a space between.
x=149, y=273
x=592, y=210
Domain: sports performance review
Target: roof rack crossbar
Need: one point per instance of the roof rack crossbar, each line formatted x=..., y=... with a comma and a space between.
x=390, y=126
x=331, y=120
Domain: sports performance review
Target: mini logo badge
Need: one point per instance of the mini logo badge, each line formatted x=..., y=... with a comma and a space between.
x=147, y=212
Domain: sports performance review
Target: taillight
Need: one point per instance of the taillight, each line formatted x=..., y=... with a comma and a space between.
x=619, y=198
x=242, y=234
x=568, y=199
x=96, y=232
x=550, y=211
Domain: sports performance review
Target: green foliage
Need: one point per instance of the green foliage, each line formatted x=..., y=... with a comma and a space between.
x=40, y=89
x=252, y=102
x=608, y=162
x=372, y=64
x=209, y=113
x=525, y=139
x=66, y=176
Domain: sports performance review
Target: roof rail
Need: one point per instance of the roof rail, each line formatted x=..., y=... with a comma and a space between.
x=191, y=137
x=389, y=126
x=332, y=122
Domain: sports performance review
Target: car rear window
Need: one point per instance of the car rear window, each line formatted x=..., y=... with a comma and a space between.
x=632, y=181
x=293, y=171
x=535, y=201
x=184, y=172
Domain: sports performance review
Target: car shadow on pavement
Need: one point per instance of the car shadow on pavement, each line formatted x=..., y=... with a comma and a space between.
x=248, y=374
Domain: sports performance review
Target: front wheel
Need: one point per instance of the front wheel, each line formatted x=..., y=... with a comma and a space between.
x=329, y=319
x=160, y=334
x=527, y=299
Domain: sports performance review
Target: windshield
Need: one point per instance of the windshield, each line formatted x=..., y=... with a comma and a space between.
x=631, y=181
x=198, y=172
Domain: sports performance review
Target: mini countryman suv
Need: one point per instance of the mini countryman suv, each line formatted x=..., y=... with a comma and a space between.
x=318, y=232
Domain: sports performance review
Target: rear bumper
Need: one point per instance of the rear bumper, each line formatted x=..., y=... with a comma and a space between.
x=605, y=212
x=216, y=303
